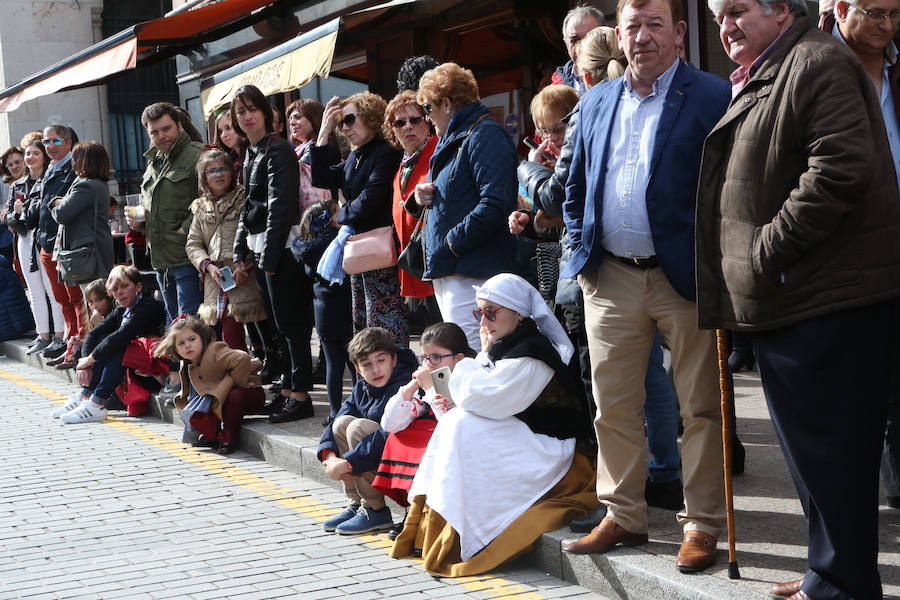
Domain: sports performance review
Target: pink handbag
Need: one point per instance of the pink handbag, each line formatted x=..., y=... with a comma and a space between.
x=375, y=249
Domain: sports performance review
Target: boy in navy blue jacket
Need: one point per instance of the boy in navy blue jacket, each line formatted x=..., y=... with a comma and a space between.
x=351, y=447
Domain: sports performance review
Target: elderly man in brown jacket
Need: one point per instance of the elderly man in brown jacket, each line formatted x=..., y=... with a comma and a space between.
x=798, y=244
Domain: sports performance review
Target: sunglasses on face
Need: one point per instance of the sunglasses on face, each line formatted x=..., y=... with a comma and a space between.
x=401, y=123
x=212, y=172
x=490, y=313
x=347, y=121
x=432, y=358
x=52, y=141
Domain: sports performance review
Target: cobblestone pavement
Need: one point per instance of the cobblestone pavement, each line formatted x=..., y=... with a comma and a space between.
x=122, y=509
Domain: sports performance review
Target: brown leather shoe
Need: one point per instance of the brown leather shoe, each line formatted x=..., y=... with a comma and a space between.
x=786, y=589
x=698, y=551
x=800, y=595
x=604, y=537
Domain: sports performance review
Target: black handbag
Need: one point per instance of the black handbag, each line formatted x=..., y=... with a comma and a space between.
x=412, y=259
x=78, y=265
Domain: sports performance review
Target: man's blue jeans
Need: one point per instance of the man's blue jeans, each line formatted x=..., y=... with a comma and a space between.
x=661, y=410
x=181, y=290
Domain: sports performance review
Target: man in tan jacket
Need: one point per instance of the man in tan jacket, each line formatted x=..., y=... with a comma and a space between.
x=798, y=244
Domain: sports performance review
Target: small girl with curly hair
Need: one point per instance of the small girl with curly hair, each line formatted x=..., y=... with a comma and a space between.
x=221, y=384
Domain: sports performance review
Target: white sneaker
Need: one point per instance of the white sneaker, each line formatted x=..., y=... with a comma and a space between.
x=87, y=412
x=71, y=404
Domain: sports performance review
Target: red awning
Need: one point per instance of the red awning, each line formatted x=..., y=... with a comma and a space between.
x=144, y=43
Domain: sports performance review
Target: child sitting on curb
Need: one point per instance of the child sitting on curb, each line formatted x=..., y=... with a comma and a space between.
x=100, y=371
x=351, y=447
x=219, y=384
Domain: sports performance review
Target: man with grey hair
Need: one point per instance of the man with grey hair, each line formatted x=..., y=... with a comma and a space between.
x=577, y=23
x=798, y=245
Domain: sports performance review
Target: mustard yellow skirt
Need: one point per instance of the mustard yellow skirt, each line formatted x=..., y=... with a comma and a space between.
x=425, y=530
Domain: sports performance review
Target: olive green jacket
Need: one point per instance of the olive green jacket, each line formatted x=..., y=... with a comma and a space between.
x=168, y=188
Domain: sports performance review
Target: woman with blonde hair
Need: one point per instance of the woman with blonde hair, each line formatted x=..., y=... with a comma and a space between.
x=364, y=179
x=599, y=56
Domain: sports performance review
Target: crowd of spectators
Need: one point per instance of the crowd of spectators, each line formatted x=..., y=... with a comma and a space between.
x=658, y=202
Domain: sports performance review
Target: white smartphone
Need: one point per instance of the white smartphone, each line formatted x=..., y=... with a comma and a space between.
x=227, y=282
x=441, y=379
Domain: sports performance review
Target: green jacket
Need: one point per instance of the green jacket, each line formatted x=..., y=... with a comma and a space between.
x=168, y=188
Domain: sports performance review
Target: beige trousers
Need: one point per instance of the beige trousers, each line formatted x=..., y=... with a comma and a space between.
x=623, y=306
x=348, y=433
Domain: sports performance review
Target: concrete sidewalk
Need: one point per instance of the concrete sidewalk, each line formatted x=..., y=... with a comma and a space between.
x=770, y=529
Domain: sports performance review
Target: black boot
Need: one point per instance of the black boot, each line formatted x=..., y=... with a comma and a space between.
x=293, y=410
x=271, y=366
x=587, y=523
x=664, y=494
x=741, y=358
x=275, y=406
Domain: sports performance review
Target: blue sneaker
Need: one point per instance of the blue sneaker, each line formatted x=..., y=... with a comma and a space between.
x=367, y=520
x=347, y=514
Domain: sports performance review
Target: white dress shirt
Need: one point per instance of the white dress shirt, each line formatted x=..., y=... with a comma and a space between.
x=626, y=226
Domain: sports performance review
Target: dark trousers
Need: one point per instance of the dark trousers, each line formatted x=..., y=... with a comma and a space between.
x=106, y=376
x=287, y=296
x=827, y=386
x=336, y=358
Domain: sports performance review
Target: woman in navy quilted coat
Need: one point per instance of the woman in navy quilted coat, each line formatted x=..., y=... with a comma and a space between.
x=473, y=188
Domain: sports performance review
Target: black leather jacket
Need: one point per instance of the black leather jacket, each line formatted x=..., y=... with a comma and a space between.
x=546, y=187
x=272, y=181
x=45, y=225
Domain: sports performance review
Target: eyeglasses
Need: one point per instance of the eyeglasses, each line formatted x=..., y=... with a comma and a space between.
x=427, y=109
x=490, y=313
x=432, y=358
x=212, y=172
x=347, y=121
x=879, y=16
x=401, y=123
x=554, y=130
x=13, y=163
x=52, y=141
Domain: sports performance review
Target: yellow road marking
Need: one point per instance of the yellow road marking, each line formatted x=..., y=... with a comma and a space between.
x=492, y=586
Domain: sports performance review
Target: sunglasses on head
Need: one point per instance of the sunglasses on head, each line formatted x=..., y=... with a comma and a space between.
x=52, y=141
x=427, y=108
x=490, y=313
x=347, y=121
x=400, y=123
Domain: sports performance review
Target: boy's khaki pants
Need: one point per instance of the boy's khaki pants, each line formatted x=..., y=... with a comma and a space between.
x=348, y=433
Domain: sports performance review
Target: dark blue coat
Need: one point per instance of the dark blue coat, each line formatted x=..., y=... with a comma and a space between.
x=466, y=231
x=368, y=402
x=365, y=178
x=693, y=106
x=15, y=314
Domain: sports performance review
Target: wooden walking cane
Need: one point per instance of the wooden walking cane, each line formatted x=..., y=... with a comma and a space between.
x=725, y=392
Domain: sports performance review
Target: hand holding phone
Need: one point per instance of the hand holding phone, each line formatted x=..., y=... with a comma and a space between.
x=539, y=152
x=227, y=282
x=441, y=379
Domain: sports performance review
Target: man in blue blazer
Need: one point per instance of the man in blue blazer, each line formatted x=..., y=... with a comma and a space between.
x=629, y=210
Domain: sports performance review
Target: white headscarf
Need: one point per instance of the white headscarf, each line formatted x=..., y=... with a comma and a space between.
x=511, y=291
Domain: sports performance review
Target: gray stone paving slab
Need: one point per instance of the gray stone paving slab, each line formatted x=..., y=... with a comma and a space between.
x=126, y=519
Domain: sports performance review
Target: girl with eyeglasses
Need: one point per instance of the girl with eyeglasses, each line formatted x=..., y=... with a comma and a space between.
x=411, y=414
x=406, y=127
x=364, y=180
x=210, y=248
x=512, y=460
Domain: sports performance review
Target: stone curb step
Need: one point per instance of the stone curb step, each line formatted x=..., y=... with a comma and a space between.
x=625, y=574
